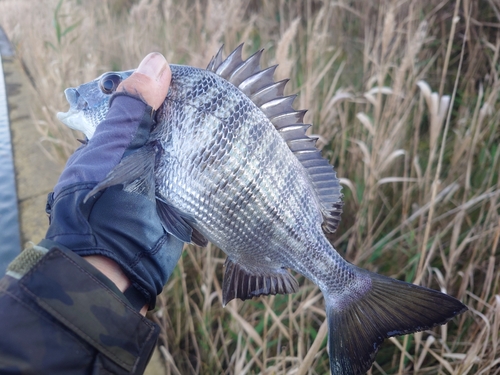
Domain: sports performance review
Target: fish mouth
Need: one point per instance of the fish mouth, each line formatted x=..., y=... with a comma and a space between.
x=75, y=119
x=72, y=118
x=64, y=116
x=75, y=116
x=74, y=98
x=76, y=104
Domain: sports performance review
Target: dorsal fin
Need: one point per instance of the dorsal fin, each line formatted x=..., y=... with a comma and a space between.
x=258, y=84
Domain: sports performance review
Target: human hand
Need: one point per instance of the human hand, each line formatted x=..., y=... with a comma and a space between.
x=118, y=231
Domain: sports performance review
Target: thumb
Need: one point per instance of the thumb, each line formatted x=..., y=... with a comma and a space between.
x=150, y=81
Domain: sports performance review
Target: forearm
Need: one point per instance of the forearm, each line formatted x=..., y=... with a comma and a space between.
x=59, y=314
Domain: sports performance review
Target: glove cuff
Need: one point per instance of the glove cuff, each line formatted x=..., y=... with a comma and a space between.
x=111, y=224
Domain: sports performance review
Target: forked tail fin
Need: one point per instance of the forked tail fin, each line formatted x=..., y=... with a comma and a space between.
x=390, y=308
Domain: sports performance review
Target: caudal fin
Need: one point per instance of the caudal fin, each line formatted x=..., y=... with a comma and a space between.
x=390, y=307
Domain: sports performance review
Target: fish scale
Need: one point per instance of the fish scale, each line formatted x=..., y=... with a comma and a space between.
x=233, y=165
x=255, y=146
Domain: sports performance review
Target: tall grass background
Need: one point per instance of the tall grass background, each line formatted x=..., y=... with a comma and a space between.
x=404, y=96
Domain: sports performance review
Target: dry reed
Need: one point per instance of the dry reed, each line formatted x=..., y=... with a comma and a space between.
x=404, y=96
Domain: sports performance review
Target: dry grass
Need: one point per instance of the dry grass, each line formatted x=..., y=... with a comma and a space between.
x=405, y=98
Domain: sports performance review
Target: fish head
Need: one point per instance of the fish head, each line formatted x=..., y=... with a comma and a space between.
x=89, y=103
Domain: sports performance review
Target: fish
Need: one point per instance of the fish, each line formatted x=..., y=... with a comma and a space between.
x=232, y=165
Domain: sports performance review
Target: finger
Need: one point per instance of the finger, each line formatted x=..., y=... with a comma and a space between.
x=150, y=81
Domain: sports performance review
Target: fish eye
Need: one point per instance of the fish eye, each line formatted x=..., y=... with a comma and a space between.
x=109, y=82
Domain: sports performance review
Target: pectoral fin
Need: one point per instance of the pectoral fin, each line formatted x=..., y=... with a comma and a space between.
x=244, y=283
x=136, y=166
x=173, y=222
x=198, y=239
x=178, y=224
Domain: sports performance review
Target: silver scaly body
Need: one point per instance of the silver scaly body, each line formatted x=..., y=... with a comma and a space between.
x=244, y=188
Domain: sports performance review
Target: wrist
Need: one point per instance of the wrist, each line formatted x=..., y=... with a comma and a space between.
x=113, y=272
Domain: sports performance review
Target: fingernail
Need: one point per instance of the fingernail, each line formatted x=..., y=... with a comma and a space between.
x=153, y=65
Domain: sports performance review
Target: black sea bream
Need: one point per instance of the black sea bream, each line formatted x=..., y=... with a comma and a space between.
x=232, y=165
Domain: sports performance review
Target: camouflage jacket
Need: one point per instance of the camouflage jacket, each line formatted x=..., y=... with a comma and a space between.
x=60, y=315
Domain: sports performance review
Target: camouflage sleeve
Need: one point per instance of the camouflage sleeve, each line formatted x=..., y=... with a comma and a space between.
x=60, y=315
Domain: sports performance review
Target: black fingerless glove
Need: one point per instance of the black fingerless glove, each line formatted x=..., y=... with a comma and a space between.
x=119, y=224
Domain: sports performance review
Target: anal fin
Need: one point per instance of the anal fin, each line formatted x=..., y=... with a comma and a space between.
x=240, y=282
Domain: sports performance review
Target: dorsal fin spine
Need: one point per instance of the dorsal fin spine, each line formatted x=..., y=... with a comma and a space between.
x=269, y=92
x=278, y=106
x=231, y=63
x=293, y=132
x=285, y=119
x=258, y=81
x=246, y=69
x=216, y=60
x=259, y=85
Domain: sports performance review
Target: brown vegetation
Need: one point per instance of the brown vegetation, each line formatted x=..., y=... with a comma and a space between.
x=405, y=98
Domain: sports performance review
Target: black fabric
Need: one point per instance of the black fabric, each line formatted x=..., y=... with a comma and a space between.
x=120, y=225
x=63, y=317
